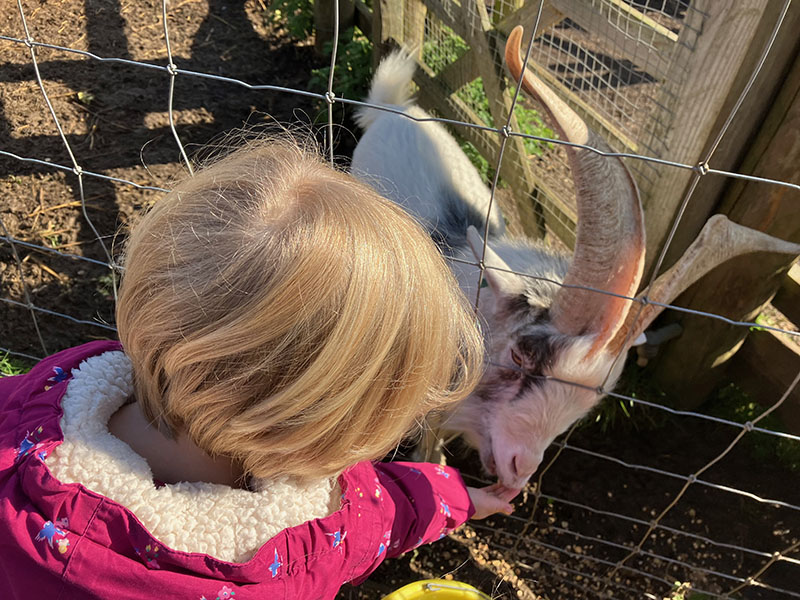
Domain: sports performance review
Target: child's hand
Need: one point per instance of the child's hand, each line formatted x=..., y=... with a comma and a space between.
x=491, y=499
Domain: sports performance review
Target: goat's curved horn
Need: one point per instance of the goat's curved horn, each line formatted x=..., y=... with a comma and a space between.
x=609, y=247
x=719, y=241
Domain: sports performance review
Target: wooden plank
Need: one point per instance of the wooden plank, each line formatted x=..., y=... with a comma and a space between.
x=324, y=22
x=787, y=300
x=363, y=18
x=387, y=27
x=608, y=129
x=526, y=16
x=414, y=26
x=741, y=287
x=765, y=367
x=459, y=72
x=559, y=218
x=445, y=11
x=488, y=52
x=740, y=134
x=590, y=16
x=714, y=59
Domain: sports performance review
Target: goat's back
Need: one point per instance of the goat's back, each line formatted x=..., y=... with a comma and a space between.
x=417, y=163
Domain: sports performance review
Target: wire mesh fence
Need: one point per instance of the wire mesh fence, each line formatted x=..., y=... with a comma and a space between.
x=644, y=518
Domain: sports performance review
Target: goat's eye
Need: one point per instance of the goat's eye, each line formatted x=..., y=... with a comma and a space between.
x=516, y=358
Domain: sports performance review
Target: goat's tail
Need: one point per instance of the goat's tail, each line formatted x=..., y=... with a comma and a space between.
x=390, y=85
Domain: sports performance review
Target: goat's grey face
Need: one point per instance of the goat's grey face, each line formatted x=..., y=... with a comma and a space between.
x=536, y=383
x=550, y=348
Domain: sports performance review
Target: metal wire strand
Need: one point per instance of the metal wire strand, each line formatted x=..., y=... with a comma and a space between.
x=172, y=69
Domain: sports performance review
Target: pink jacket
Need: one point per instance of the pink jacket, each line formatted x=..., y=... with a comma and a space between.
x=61, y=541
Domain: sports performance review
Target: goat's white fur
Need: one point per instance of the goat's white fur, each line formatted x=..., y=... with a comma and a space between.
x=538, y=379
x=409, y=161
x=419, y=165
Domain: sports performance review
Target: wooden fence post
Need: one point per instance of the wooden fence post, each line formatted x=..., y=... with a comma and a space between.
x=694, y=363
x=387, y=24
x=414, y=26
x=737, y=140
x=717, y=37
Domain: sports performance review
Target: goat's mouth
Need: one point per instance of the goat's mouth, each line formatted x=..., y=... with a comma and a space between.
x=490, y=466
x=487, y=458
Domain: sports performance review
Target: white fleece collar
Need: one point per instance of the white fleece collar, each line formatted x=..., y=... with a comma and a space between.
x=226, y=523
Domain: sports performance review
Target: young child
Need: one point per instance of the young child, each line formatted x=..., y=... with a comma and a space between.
x=281, y=327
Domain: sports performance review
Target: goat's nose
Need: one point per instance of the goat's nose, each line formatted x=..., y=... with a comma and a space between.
x=524, y=465
x=515, y=462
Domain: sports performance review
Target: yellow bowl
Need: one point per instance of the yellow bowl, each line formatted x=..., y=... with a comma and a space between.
x=437, y=589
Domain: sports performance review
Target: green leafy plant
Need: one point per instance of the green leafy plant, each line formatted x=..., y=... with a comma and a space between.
x=54, y=240
x=104, y=285
x=12, y=366
x=297, y=16
x=353, y=71
x=439, y=54
x=530, y=123
x=683, y=591
x=528, y=119
x=480, y=163
x=449, y=48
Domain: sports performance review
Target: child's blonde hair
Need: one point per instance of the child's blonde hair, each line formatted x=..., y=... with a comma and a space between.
x=286, y=316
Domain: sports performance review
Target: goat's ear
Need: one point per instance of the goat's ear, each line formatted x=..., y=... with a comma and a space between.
x=497, y=273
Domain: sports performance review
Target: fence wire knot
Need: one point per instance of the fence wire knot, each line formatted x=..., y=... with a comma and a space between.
x=505, y=130
x=702, y=168
x=692, y=478
x=28, y=42
x=749, y=426
x=172, y=69
x=330, y=97
x=78, y=170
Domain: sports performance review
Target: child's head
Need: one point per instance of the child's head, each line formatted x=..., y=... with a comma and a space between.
x=288, y=317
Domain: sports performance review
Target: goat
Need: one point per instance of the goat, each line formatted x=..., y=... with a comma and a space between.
x=554, y=349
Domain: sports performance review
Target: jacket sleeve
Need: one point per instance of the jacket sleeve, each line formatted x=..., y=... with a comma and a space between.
x=410, y=503
x=429, y=501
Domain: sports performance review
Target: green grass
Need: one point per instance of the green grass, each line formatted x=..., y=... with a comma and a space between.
x=729, y=403
x=732, y=404
x=623, y=415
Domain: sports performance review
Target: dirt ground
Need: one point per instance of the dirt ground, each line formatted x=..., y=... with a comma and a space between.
x=559, y=544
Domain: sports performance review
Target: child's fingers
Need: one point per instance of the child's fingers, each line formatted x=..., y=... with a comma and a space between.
x=501, y=506
x=507, y=493
x=501, y=491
